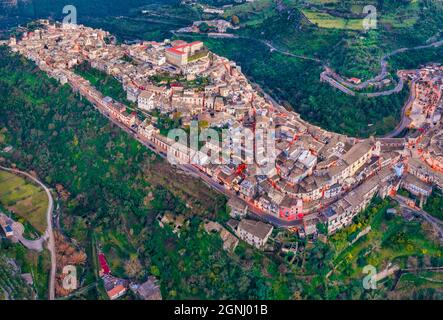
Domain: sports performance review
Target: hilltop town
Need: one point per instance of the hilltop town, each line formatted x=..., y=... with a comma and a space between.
x=318, y=176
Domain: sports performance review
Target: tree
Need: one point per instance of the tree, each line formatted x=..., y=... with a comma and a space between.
x=203, y=27
x=133, y=267
x=235, y=20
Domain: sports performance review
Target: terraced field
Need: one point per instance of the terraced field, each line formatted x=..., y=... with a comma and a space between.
x=24, y=199
x=324, y=20
x=323, y=13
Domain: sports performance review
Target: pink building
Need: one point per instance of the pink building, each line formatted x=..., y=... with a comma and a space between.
x=291, y=209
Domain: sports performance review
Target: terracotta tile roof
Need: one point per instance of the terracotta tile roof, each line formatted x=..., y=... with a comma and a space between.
x=116, y=291
x=175, y=51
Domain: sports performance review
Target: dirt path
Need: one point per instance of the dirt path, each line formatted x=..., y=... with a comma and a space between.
x=49, y=235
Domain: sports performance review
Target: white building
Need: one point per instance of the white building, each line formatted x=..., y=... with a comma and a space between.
x=146, y=101
x=256, y=233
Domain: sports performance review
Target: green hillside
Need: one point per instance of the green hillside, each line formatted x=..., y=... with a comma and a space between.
x=12, y=286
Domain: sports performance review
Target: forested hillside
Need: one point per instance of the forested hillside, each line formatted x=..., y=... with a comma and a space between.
x=12, y=286
x=38, y=8
x=22, y=11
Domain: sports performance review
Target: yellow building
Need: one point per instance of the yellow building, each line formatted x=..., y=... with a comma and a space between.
x=357, y=157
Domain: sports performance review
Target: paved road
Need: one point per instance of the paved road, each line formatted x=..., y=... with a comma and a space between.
x=49, y=235
x=19, y=229
x=272, y=48
x=36, y=245
x=79, y=291
x=384, y=66
x=343, y=85
x=405, y=120
x=325, y=76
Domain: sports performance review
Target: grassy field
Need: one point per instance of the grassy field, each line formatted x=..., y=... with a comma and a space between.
x=252, y=13
x=390, y=15
x=416, y=284
x=324, y=20
x=24, y=199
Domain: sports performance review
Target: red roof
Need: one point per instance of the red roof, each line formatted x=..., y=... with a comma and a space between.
x=116, y=291
x=186, y=45
x=174, y=50
x=103, y=263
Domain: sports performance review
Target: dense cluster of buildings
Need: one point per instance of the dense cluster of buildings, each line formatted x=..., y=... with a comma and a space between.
x=317, y=173
x=427, y=86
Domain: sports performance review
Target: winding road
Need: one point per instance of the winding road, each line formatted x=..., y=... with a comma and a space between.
x=434, y=222
x=405, y=120
x=345, y=86
x=384, y=69
x=286, y=53
x=49, y=234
